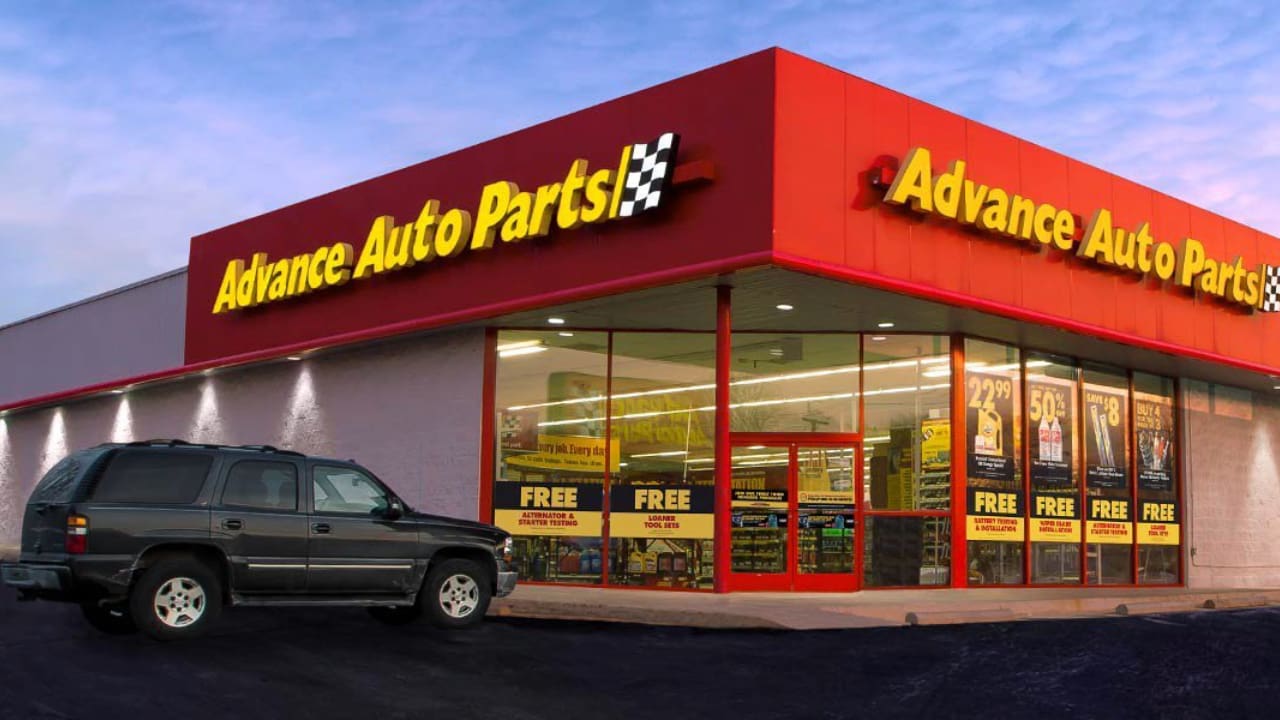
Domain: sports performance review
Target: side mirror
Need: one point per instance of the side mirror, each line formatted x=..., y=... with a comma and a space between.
x=395, y=509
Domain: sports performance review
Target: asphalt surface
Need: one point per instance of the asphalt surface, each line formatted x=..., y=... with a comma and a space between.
x=261, y=663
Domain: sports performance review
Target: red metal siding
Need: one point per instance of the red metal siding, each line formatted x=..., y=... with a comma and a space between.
x=722, y=114
x=939, y=259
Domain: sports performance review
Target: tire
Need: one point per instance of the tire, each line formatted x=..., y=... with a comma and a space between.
x=176, y=599
x=456, y=594
x=108, y=619
x=396, y=615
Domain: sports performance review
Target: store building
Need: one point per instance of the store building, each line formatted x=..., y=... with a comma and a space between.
x=767, y=326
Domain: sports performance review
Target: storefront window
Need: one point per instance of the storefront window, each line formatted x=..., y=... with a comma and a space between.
x=1108, y=503
x=1158, y=515
x=551, y=454
x=797, y=382
x=995, y=500
x=662, y=496
x=907, y=400
x=1052, y=387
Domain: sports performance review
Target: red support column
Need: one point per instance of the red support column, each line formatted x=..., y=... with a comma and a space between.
x=488, y=441
x=959, y=468
x=724, y=456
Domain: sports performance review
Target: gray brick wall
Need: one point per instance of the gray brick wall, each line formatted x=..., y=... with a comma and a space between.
x=409, y=410
x=1233, y=488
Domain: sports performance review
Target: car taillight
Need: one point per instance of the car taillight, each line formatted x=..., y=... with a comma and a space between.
x=77, y=534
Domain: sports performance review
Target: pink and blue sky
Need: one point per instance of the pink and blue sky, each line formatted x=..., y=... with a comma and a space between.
x=128, y=127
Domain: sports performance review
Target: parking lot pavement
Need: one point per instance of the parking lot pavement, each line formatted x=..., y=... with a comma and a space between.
x=341, y=664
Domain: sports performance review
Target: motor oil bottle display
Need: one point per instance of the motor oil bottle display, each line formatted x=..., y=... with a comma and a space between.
x=989, y=439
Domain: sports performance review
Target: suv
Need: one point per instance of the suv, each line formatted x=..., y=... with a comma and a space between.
x=159, y=535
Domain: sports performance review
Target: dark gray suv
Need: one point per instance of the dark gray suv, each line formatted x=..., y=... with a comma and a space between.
x=159, y=535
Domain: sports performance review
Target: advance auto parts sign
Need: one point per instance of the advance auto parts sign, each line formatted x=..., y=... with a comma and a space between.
x=991, y=209
x=639, y=183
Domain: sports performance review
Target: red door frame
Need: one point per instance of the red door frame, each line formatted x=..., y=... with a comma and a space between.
x=791, y=579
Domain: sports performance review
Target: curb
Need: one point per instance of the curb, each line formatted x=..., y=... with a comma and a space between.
x=543, y=610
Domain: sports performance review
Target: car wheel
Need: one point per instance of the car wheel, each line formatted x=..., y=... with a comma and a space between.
x=176, y=599
x=456, y=594
x=109, y=619
x=396, y=615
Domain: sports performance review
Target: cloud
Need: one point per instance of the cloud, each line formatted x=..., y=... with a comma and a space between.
x=127, y=128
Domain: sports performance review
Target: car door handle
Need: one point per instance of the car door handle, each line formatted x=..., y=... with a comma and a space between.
x=320, y=528
x=232, y=524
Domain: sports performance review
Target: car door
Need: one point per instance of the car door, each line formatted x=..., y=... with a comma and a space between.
x=353, y=547
x=259, y=521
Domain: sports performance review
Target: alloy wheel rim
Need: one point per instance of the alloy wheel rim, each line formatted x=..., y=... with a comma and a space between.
x=179, y=602
x=459, y=596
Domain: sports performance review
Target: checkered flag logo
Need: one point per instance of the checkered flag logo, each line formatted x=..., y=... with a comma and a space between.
x=1271, y=290
x=648, y=174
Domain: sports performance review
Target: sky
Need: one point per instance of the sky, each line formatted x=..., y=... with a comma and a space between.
x=128, y=127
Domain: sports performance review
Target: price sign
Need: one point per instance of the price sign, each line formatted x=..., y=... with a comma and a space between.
x=1051, y=412
x=989, y=421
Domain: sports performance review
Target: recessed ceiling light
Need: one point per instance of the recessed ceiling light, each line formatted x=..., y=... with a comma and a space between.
x=878, y=338
x=294, y=358
x=885, y=325
x=518, y=344
x=566, y=334
x=117, y=391
x=785, y=306
x=776, y=351
x=556, y=321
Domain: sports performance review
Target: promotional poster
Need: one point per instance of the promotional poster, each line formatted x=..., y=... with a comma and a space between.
x=1106, y=426
x=989, y=418
x=1051, y=411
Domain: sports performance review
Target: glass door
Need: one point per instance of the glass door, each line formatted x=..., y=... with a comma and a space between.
x=794, y=515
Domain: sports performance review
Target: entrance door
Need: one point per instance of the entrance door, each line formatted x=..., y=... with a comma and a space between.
x=794, y=514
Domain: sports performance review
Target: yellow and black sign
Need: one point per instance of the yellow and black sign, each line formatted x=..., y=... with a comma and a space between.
x=662, y=511
x=1106, y=427
x=582, y=197
x=1153, y=418
x=953, y=196
x=995, y=515
x=563, y=510
x=989, y=417
x=1158, y=523
x=1110, y=521
x=1055, y=518
x=567, y=453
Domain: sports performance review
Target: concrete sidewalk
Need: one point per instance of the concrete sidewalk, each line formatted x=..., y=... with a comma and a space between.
x=872, y=608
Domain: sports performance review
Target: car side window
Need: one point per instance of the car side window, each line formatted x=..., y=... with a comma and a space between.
x=346, y=491
x=262, y=485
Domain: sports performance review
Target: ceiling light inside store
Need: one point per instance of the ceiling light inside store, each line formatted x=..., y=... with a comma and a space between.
x=566, y=334
x=785, y=307
x=878, y=338
x=527, y=350
x=884, y=325
x=518, y=344
x=556, y=321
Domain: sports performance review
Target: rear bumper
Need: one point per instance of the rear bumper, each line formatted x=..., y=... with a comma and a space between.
x=37, y=580
x=506, y=583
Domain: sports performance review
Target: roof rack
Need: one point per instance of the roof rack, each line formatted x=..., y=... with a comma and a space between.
x=174, y=442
